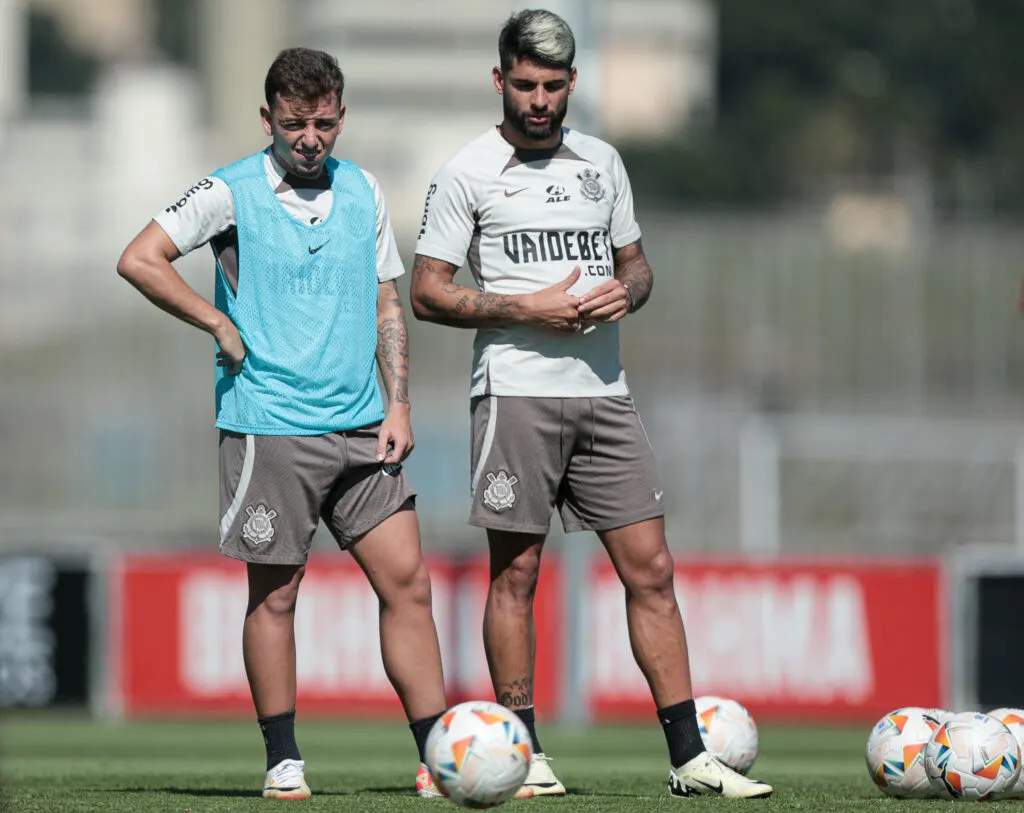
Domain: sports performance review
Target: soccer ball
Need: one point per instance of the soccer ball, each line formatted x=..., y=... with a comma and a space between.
x=940, y=714
x=895, y=753
x=728, y=731
x=972, y=756
x=479, y=753
x=1013, y=719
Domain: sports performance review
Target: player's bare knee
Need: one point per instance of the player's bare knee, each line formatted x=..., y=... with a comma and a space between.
x=517, y=582
x=653, y=579
x=416, y=588
x=275, y=588
x=407, y=586
x=282, y=600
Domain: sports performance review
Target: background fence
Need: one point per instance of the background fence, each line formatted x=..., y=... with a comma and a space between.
x=108, y=422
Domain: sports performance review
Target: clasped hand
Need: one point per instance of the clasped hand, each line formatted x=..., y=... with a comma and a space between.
x=556, y=309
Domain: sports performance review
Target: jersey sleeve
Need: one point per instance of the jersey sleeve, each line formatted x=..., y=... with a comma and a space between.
x=389, y=261
x=204, y=210
x=446, y=228
x=624, y=228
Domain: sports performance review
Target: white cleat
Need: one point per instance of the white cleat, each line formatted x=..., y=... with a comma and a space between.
x=425, y=786
x=287, y=780
x=706, y=775
x=540, y=780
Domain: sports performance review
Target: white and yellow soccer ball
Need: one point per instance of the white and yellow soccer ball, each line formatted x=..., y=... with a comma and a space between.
x=972, y=756
x=479, y=754
x=1013, y=719
x=895, y=753
x=728, y=731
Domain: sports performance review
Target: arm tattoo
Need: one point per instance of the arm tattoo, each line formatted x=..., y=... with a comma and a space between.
x=632, y=269
x=392, y=344
x=491, y=307
x=516, y=695
x=438, y=299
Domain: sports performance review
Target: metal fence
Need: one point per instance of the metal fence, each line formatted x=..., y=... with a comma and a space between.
x=107, y=426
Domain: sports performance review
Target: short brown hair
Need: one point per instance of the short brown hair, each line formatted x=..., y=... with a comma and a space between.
x=302, y=73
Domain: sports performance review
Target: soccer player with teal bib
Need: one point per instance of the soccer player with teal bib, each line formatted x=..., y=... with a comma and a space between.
x=306, y=311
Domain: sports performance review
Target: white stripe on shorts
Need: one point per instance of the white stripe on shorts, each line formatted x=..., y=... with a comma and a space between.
x=485, y=449
x=243, y=486
x=641, y=422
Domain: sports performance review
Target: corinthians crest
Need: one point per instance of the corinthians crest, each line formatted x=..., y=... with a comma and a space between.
x=258, y=528
x=590, y=186
x=499, y=495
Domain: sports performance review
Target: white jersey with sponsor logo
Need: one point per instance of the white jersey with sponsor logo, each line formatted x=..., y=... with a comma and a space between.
x=523, y=220
x=205, y=213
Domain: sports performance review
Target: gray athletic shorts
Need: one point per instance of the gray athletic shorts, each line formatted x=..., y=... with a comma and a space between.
x=274, y=490
x=588, y=457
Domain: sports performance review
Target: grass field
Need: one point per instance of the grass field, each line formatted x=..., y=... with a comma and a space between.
x=53, y=763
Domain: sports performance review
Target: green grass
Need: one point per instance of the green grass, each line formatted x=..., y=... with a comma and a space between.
x=60, y=763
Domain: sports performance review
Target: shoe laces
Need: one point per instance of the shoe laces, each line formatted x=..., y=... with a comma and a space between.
x=720, y=768
x=539, y=757
x=715, y=765
x=289, y=773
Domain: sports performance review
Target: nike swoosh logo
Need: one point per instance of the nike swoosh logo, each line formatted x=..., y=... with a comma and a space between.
x=658, y=494
x=315, y=250
x=714, y=788
x=515, y=192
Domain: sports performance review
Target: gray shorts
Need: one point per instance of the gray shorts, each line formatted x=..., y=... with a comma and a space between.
x=588, y=457
x=274, y=490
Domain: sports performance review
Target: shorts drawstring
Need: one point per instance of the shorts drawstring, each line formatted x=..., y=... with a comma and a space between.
x=561, y=433
x=593, y=430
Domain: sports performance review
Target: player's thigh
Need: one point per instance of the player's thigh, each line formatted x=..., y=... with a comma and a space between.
x=391, y=556
x=612, y=479
x=271, y=489
x=367, y=492
x=517, y=458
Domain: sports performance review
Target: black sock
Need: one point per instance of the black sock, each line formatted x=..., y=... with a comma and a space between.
x=279, y=737
x=421, y=730
x=530, y=721
x=681, y=732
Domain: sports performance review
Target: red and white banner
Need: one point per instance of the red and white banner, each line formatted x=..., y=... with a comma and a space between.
x=790, y=639
x=176, y=636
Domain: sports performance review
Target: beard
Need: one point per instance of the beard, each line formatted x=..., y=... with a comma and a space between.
x=520, y=120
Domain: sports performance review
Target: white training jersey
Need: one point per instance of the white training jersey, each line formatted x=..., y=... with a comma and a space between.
x=205, y=213
x=523, y=220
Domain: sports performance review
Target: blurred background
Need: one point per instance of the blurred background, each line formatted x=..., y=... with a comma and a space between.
x=831, y=195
